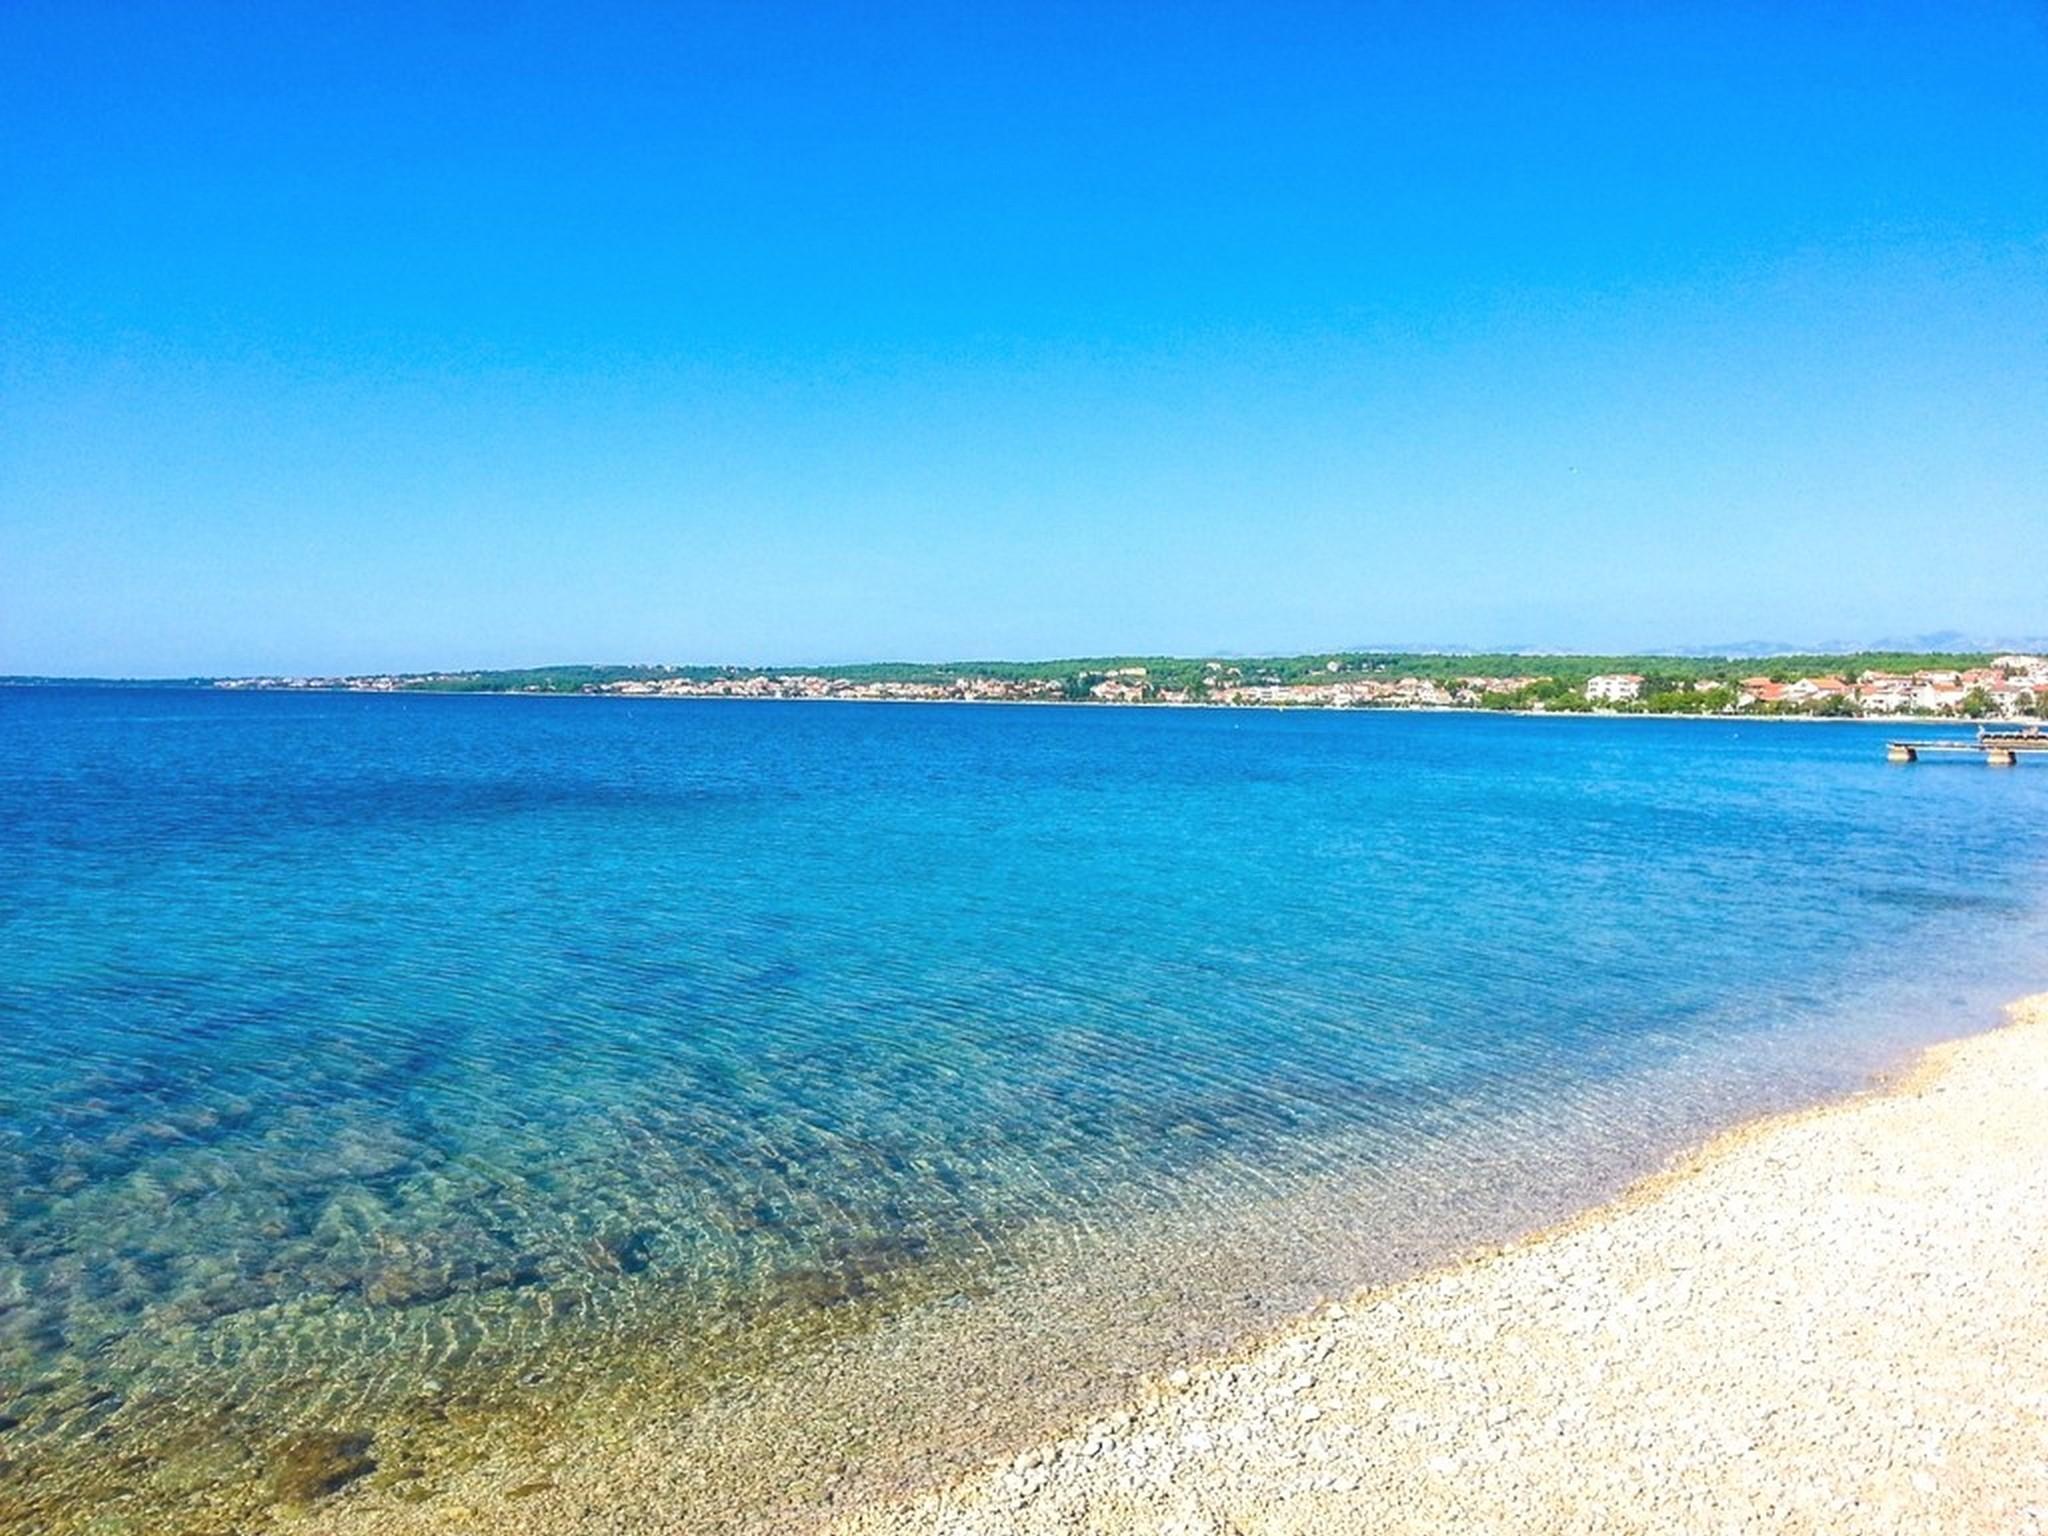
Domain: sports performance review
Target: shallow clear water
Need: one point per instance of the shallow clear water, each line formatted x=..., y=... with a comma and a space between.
x=362, y=1052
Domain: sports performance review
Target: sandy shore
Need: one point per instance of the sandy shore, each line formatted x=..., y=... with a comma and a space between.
x=1831, y=1321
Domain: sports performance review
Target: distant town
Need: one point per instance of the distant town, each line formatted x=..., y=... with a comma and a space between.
x=1980, y=687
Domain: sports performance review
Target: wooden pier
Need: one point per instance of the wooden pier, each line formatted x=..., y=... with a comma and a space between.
x=2001, y=749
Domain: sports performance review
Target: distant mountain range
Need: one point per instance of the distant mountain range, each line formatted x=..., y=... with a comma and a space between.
x=1935, y=640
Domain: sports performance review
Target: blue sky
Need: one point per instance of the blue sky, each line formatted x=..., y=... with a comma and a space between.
x=362, y=337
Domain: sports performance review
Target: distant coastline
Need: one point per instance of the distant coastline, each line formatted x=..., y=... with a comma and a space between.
x=1851, y=685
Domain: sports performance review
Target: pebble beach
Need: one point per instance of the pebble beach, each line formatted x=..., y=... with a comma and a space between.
x=1835, y=1321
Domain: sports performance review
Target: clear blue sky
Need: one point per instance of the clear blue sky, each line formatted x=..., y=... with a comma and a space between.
x=341, y=337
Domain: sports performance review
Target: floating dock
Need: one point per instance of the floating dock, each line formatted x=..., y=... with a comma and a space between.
x=2001, y=749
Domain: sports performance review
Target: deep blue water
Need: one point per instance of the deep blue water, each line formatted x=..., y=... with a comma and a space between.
x=359, y=1008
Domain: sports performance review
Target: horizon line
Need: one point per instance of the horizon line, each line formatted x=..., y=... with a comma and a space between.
x=1932, y=645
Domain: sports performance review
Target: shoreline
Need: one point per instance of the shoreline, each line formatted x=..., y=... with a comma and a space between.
x=1542, y=1383
x=1957, y=721
x=1402, y=1407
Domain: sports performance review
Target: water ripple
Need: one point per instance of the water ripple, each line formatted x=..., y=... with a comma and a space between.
x=394, y=1068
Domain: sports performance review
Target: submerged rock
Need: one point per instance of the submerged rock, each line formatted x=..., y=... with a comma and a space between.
x=314, y=1466
x=619, y=1251
x=407, y=1285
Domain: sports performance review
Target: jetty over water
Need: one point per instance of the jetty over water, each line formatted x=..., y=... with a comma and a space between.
x=2001, y=749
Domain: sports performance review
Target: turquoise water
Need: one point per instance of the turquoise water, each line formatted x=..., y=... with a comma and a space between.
x=357, y=1051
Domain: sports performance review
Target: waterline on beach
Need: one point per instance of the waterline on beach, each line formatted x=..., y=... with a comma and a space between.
x=1821, y=1321
x=936, y=1389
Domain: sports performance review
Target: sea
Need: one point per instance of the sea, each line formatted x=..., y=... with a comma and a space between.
x=401, y=1091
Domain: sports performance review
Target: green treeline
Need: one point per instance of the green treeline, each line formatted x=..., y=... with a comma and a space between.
x=1670, y=680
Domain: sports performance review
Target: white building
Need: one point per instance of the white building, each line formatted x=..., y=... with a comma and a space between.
x=2009, y=699
x=1614, y=688
x=1939, y=696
